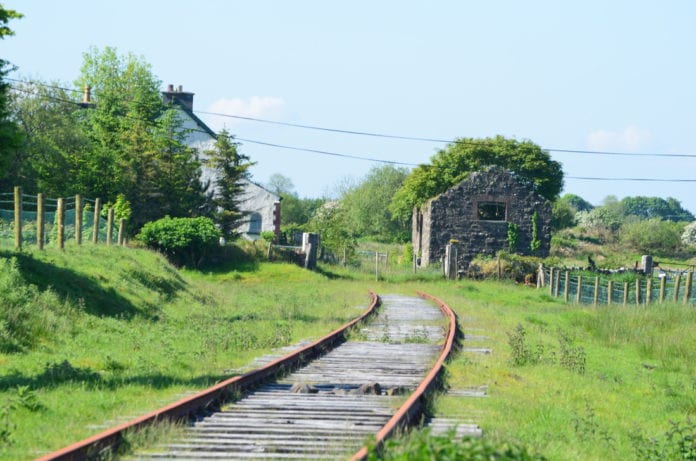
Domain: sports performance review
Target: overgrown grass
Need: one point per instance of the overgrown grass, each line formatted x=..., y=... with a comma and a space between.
x=122, y=332
x=571, y=382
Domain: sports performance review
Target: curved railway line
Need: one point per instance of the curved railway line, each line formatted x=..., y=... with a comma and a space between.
x=323, y=401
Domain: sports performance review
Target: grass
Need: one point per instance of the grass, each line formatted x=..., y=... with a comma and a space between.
x=638, y=371
x=133, y=334
x=121, y=332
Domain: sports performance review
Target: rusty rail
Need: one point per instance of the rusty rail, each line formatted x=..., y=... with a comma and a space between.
x=210, y=398
x=409, y=413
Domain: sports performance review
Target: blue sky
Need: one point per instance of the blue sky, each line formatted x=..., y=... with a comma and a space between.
x=613, y=76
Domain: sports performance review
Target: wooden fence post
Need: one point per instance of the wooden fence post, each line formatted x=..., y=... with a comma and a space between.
x=610, y=292
x=60, y=215
x=95, y=228
x=109, y=225
x=625, y=294
x=121, y=231
x=40, y=217
x=677, y=283
x=557, y=282
x=663, y=283
x=18, y=217
x=566, y=287
x=541, y=276
x=687, y=287
x=578, y=297
x=637, y=292
x=551, y=281
x=78, y=219
x=596, y=291
x=648, y=292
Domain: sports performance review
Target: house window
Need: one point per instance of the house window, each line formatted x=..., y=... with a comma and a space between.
x=254, y=223
x=491, y=211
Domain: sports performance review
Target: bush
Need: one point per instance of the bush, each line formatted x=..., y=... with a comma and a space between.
x=185, y=241
x=689, y=236
x=652, y=236
x=522, y=269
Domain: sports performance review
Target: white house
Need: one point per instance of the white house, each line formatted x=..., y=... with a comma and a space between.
x=261, y=207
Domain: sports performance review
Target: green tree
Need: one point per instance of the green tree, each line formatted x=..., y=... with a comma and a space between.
x=280, y=184
x=367, y=205
x=577, y=202
x=53, y=139
x=330, y=221
x=231, y=169
x=454, y=163
x=10, y=136
x=669, y=209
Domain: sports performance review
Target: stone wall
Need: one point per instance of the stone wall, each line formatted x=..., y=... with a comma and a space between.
x=456, y=215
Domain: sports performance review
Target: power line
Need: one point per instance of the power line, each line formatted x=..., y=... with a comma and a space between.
x=393, y=136
x=589, y=178
x=373, y=159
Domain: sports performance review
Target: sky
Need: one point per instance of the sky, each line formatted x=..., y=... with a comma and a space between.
x=613, y=77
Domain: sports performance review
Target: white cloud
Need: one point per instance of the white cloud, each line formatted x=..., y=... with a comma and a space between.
x=267, y=107
x=630, y=139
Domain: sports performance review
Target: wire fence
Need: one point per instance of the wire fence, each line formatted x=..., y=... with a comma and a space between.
x=27, y=219
x=582, y=288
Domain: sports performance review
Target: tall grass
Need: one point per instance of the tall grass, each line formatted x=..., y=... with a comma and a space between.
x=99, y=335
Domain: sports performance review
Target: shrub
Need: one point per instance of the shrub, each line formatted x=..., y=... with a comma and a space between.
x=185, y=241
x=652, y=236
x=689, y=235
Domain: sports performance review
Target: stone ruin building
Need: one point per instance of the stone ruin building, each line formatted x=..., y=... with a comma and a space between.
x=475, y=216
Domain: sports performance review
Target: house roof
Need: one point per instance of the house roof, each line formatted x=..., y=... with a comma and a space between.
x=194, y=117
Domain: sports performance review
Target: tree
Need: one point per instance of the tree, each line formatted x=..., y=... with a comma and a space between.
x=654, y=207
x=464, y=156
x=231, y=168
x=53, y=140
x=577, y=202
x=367, y=205
x=136, y=145
x=10, y=136
x=688, y=237
x=280, y=184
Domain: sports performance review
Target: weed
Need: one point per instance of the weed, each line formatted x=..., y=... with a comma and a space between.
x=588, y=429
x=418, y=336
x=521, y=352
x=677, y=443
x=6, y=427
x=571, y=358
x=26, y=398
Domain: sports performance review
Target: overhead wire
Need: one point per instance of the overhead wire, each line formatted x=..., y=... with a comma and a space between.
x=380, y=135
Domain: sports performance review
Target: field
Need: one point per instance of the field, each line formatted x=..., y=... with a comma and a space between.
x=96, y=335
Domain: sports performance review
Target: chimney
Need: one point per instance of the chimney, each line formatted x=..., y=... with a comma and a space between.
x=178, y=96
x=87, y=97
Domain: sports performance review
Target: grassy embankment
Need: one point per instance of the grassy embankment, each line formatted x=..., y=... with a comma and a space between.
x=121, y=332
x=96, y=335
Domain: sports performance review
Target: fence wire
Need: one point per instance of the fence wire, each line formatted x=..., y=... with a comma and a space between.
x=50, y=229
x=582, y=290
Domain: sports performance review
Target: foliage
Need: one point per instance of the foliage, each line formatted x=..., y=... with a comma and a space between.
x=453, y=164
x=655, y=207
x=689, y=235
x=609, y=217
x=535, y=244
x=652, y=236
x=297, y=211
x=512, y=267
x=562, y=215
x=27, y=315
x=122, y=208
x=280, y=184
x=185, y=241
x=513, y=235
x=331, y=223
x=576, y=202
x=124, y=142
x=366, y=206
x=678, y=443
x=423, y=445
x=10, y=135
x=232, y=169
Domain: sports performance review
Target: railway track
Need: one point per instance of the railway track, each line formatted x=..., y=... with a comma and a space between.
x=367, y=386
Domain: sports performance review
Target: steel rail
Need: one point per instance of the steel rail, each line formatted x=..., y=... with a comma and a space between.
x=410, y=412
x=212, y=397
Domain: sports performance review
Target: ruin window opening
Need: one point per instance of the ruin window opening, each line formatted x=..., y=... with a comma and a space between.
x=491, y=211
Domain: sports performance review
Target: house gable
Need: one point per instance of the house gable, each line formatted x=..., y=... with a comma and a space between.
x=475, y=215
